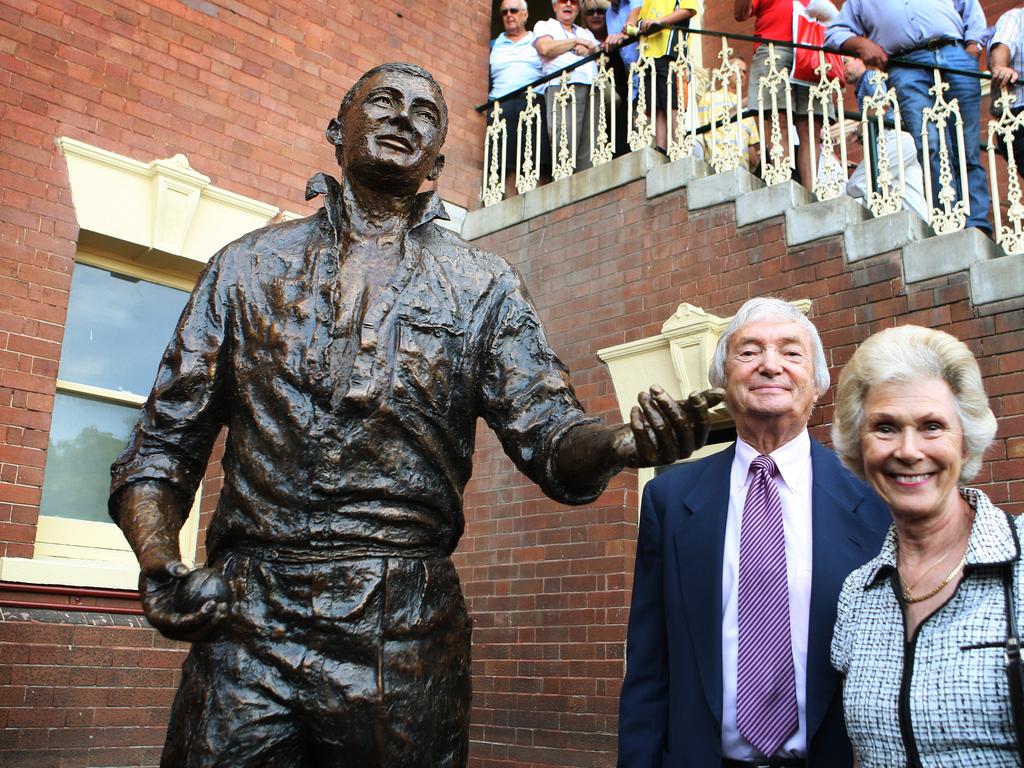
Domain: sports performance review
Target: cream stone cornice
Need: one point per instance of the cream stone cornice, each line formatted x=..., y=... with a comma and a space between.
x=163, y=206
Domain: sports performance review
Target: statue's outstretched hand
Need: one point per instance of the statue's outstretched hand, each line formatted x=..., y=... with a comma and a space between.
x=662, y=430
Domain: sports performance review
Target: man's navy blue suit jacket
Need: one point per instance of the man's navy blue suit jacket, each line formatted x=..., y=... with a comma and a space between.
x=671, y=706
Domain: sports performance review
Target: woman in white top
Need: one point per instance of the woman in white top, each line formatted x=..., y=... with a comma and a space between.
x=561, y=42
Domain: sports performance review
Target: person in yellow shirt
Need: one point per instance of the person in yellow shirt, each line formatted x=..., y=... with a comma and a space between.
x=654, y=20
x=727, y=102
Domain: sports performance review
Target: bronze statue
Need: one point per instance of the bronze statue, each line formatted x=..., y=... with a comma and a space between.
x=349, y=355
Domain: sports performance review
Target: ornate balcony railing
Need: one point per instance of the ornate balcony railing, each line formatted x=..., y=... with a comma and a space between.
x=721, y=139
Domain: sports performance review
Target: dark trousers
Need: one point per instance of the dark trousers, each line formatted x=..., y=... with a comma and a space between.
x=357, y=663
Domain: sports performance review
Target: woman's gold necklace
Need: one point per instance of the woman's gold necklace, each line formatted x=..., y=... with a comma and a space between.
x=909, y=598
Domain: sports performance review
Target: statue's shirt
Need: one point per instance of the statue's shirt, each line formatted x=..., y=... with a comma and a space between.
x=350, y=438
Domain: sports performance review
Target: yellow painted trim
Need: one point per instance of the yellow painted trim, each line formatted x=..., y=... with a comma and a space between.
x=100, y=393
x=180, y=280
x=69, y=572
x=165, y=211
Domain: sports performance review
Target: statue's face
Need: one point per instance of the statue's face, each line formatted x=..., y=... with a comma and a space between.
x=393, y=130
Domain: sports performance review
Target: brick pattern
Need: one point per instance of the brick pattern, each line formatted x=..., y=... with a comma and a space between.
x=83, y=689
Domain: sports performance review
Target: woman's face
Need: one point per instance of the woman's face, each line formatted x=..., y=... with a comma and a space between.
x=913, y=446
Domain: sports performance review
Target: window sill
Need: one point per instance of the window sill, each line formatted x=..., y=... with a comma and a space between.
x=69, y=572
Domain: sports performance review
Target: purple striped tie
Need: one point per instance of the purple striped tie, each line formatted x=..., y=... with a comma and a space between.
x=766, y=710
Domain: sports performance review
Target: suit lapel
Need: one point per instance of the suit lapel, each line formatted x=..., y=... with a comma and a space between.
x=840, y=543
x=699, y=541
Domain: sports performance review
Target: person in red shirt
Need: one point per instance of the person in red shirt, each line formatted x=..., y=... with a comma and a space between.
x=773, y=20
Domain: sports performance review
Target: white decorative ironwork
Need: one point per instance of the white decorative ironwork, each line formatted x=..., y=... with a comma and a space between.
x=828, y=93
x=528, y=145
x=728, y=152
x=639, y=125
x=886, y=194
x=778, y=158
x=953, y=213
x=602, y=100
x=563, y=117
x=682, y=122
x=1010, y=236
x=495, y=145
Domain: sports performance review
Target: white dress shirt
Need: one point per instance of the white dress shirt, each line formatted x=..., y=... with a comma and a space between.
x=794, y=482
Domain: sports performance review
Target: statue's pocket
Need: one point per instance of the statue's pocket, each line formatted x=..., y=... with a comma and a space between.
x=429, y=359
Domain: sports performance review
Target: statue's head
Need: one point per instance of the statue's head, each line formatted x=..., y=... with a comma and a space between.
x=390, y=127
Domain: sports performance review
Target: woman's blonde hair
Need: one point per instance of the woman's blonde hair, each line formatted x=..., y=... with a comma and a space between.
x=906, y=354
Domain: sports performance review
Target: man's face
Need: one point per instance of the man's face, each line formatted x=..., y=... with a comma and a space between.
x=393, y=130
x=769, y=375
x=512, y=17
x=565, y=10
x=853, y=69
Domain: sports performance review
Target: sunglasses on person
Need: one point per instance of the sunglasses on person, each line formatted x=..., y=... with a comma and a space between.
x=594, y=12
x=510, y=11
x=569, y=2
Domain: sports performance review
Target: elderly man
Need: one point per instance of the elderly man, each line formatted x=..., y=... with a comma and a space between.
x=739, y=563
x=933, y=33
x=561, y=43
x=349, y=355
x=514, y=64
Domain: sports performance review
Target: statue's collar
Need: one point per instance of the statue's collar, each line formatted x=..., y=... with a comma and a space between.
x=338, y=196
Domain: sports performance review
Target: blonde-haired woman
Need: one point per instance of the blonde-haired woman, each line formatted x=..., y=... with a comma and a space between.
x=921, y=629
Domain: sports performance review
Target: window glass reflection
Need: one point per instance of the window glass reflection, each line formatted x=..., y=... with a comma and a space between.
x=117, y=328
x=87, y=435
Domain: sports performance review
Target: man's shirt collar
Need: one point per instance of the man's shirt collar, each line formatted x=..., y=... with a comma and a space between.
x=338, y=196
x=793, y=460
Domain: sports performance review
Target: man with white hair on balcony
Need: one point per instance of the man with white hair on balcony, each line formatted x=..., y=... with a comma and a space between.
x=514, y=64
x=926, y=34
x=561, y=43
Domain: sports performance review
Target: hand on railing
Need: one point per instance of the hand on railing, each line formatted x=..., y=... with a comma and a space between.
x=870, y=53
x=1003, y=77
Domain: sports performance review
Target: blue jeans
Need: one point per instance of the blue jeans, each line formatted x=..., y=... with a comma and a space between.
x=912, y=86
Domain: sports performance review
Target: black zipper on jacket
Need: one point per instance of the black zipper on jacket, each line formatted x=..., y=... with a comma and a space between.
x=909, y=648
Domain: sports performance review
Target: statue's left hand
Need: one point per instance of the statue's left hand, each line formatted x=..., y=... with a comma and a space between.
x=183, y=604
x=663, y=430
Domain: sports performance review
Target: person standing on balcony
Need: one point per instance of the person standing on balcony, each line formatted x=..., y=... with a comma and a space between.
x=913, y=176
x=514, y=63
x=932, y=33
x=655, y=20
x=727, y=104
x=1006, y=62
x=561, y=42
x=773, y=20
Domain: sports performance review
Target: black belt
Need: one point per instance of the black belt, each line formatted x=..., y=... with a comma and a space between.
x=931, y=45
x=781, y=762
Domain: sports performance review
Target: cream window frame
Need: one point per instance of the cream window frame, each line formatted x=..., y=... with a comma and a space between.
x=160, y=221
x=86, y=552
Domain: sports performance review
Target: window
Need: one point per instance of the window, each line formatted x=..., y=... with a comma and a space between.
x=119, y=320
